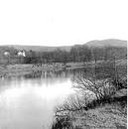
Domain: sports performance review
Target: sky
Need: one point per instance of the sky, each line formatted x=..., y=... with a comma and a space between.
x=61, y=22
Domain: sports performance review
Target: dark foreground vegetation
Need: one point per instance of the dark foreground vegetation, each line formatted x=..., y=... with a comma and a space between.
x=101, y=100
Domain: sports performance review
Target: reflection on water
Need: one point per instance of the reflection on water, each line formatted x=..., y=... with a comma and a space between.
x=28, y=102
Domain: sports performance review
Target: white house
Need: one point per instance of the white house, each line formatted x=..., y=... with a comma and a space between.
x=21, y=53
x=6, y=53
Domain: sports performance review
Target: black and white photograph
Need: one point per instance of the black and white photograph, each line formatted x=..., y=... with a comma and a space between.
x=63, y=64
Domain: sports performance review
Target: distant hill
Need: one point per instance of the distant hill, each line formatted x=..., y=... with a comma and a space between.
x=108, y=42
x=95, y=43
x=101, y=49
x=40, y=48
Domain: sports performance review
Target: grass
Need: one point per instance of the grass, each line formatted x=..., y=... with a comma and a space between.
x=23, y=69
x=107, y=116
x=104, y=115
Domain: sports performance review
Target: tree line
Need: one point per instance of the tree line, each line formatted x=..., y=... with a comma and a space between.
x=78, y=53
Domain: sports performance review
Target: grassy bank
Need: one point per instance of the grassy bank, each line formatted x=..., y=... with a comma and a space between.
x=103, y=104
x=22, y=69
x=108, y=115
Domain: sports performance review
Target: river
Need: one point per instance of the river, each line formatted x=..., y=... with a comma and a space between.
x=28, y=102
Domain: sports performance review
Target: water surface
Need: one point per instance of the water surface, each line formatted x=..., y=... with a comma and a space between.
x=29, y=102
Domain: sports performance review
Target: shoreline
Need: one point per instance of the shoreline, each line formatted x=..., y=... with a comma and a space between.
x=23, y=69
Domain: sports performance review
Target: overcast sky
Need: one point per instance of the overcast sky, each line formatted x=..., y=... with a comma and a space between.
x=61, y=22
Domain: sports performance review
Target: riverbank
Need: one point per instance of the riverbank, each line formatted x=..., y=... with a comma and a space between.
x=105, y=117
x=23, y=69
x=110, y=115
x=109, y=111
